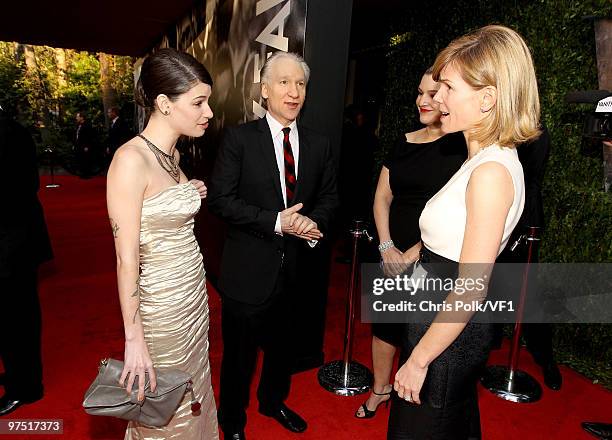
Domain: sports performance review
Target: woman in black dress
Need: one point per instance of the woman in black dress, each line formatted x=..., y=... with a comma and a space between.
x=420, y=164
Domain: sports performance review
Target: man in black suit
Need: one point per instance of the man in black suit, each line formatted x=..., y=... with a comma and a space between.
x=274, y=183
x=84, y=145
x=118, y=131
x=24, y=244
x=533, y=157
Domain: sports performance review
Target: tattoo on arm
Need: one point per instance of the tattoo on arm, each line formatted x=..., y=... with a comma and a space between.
x=137, y=291
x=136, y=294
x=114, y=227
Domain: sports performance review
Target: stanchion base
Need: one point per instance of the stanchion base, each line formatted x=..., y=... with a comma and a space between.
x=520, y=388
x=358, y=381
x=52, y=185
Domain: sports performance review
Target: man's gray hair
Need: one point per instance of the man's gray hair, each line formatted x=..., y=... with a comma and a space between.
x=267, y=67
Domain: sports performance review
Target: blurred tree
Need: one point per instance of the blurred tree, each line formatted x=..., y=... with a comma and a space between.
x=11, y=70
x=45, y=87
x=109, y=95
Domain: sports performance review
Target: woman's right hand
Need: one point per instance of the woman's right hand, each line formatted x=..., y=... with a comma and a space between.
x=393, y=262
x=137, y=363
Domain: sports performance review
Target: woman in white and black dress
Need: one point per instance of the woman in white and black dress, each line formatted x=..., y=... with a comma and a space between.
x=489, y=92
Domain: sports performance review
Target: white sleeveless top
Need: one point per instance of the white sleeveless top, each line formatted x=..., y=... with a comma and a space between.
x=442, y=222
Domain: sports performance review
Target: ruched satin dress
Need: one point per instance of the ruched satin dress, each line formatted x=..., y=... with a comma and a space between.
x=174, y=308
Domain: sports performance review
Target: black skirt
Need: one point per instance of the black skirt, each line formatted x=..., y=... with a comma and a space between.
x=449, y=408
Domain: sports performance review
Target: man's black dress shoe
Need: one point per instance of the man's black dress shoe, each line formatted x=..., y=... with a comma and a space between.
x=286, y=417
x=236, y=436
x=600, y=430
x=9, y=404
x=552, y=376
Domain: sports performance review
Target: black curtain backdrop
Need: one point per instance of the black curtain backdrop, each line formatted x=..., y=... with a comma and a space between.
x=328, y=28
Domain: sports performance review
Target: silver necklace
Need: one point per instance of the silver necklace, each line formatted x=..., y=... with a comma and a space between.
x=167, y=161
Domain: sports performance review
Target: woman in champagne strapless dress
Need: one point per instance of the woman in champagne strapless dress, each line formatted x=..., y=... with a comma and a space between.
x=160, y=274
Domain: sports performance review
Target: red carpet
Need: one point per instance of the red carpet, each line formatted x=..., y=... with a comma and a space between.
x=82, y=324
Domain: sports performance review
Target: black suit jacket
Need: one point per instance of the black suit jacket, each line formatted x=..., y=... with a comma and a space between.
x=118, y=134
x=24, y=241
x=533, y=157
x=245, y=191
x=85, y=137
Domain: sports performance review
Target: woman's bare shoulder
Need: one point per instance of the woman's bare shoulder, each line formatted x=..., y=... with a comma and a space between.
x=491, y=181
x=132, y=153
x=130, y=161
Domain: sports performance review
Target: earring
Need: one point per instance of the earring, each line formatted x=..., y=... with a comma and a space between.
x=167, y=112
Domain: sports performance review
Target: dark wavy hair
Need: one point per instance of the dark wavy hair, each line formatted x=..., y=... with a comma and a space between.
x=168, y=72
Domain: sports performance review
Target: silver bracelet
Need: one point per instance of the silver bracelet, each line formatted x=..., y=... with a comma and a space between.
x=385, y=246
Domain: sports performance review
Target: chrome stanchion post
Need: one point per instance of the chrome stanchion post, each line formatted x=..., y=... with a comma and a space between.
x=51, y=155
x=508, y=382
x=346, y=377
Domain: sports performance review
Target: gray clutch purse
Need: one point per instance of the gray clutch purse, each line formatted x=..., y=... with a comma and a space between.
x=105, y=397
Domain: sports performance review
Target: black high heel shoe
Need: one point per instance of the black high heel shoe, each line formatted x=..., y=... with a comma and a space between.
x=368, y=414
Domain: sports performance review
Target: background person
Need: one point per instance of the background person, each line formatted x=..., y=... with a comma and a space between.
x=24, y=244
x=538, y=336
x=420, y=164
x=118, y=131
x=84, y=146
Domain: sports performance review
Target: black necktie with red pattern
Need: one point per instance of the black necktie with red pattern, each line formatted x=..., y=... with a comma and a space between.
x=290, y=179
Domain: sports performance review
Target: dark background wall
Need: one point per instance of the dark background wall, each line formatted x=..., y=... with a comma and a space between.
x=328, y=28
x=326, y=51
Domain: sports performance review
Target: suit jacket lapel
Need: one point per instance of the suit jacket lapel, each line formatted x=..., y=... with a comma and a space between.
x=303, y=164
x=267, y=150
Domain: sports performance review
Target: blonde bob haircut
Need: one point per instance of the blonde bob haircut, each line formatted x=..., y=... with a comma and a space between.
x=497, y=56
